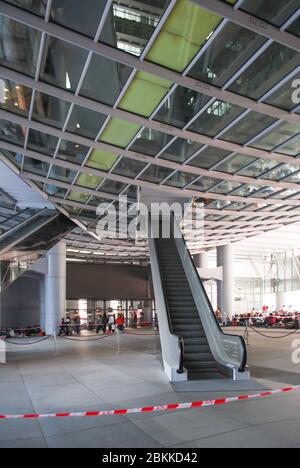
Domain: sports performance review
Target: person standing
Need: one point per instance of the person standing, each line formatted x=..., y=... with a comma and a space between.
x=104, y=322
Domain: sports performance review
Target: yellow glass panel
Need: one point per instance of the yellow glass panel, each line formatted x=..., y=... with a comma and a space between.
x=119, y=132
x=78, y=197
x=102, y=160
x=89, y=181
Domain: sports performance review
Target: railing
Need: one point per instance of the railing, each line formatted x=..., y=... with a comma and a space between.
x=233, y=346
x=180, y=339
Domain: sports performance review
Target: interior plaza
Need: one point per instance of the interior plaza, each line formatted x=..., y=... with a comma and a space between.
x=149, y=224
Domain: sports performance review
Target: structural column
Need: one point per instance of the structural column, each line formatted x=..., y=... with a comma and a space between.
x=225, y=259
x=201, y=260
x=55, y=290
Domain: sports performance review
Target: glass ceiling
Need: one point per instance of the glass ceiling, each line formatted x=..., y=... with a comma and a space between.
x=93, y=121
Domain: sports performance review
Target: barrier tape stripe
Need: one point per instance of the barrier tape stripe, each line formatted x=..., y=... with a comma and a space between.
x=150, y=409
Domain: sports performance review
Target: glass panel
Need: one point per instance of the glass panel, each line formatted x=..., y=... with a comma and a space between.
x=62, y=174
x=234, y=163
x=248, y=128
x=258, y=168
x=119, y=132
x=150, y=142
x=79, y=197
x=233, y=46
x=209, y=157
x=72, y=152
x=14, y=97
x=216, y=118
x=225, y=187
x=181, y=107
x=12, y=133
x=19, y=46
x=104, y=80
x=245, y=190
x=130, y=26
x=294, y=178
x=83, y=17
x=34, y=6
x=42, y=142
x=276, y=13
x=50, y=110
x=15, y=158
x=271, y=67
x=155, y=174
x=281, y=172
x=54, y=191
x=180, y=179
x=36, y=167
x=204, y=184
x=283, y=97
x=88, y=181
x=291, y=148
x=186, y=30
x=62, y=63
x=85, y=122
x=102, y=160
x=111, y=186
x=128, y=168
x=295, y=27
x=265, y=192
x=181, y=150
x=276, y=137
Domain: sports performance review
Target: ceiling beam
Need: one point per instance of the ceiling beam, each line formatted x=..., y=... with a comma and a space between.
x=117, y=55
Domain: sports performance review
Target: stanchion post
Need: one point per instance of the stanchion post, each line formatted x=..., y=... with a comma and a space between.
x=118, y=341
x=55, y=344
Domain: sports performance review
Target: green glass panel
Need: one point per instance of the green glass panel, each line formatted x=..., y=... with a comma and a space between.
x=89, y=181
x=119, y=132
x=102, y=160
x=184, y=33
x=144, y=94
x=78, y=197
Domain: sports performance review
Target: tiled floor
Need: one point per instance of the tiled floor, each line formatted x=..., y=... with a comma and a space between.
x=92, y=376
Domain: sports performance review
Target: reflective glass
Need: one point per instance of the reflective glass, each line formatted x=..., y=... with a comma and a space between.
x=258, y=168
x=277, y=136
x=180, y=179
x=36, y=167
x=155, y=174
x=281, y=172
x=79, y=197
x=216, y=118
x=295, y=27
x=129, y=168
x=62, y=63
x=14, y=97
x=85, y=122
x=62, y=174
x=129, y=27
x=233, y=46
x=245, y=190
x=55, y=191
x=19, y=46
x=271, y=67
x=34, y=6
x=225, y=187
x=234, y=163
x=50, y=110
x=265, y=192
x=181, y=150
x=13, y=133
x=209, y=157
x=283, y=97
x=88, y=180
x=104, y=80
x=247, y=128
x=83, y=17
x=42, y=142
x=204, y=184
x=294, y=178
x=15, y=158
x=102, y=160
x=291, y=148
x=276, y=13
x=72, y=152
x=113, y=187
x=150, y=142
x=181, y=107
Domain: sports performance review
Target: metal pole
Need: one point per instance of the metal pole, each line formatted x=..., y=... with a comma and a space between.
x=55, y=344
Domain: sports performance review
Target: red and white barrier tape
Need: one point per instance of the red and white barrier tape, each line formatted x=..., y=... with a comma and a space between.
x=150, y=409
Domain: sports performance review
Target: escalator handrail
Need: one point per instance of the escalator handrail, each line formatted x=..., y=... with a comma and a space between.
x=180, y=370
x=243, y=366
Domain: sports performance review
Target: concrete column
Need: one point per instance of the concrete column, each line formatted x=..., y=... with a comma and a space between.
x=55, y=303
x=225, y=259
x=201, y=260
x=43, y=302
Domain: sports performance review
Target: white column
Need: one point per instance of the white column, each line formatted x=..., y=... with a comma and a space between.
x=201, y=260
x=55, y=304
x=225, y=259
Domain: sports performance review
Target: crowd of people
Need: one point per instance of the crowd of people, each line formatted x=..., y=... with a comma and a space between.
x=285, y=318
x=21, y=332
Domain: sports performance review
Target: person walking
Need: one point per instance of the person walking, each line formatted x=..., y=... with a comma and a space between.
x=104, y=322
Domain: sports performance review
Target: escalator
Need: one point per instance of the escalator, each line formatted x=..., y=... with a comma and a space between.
x=205, y=352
